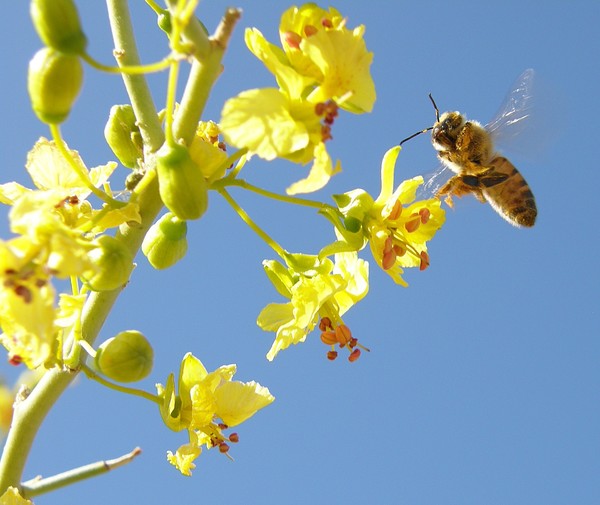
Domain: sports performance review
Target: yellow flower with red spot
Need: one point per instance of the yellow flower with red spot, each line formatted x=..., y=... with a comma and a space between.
x=206, y=405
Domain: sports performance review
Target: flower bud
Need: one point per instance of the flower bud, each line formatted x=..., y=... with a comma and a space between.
x=54, y=81
x=126, y=357
x=165, y=243
x=57, y=24
x=123, y=135
x=113, y=263
x=181, y=183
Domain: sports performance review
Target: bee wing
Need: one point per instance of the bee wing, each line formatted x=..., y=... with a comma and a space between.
x=516, y=112
x=433, y=182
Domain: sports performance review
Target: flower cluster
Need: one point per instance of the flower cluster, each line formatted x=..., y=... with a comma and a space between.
x=57, y=237
x=206, y=405
x=322, y=66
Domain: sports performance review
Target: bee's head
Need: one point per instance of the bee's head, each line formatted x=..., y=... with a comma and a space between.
x=446, y=130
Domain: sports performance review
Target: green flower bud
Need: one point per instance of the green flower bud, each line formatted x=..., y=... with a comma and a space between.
x=165, y=243
x=126, y=357
x=57, y=24
x=54, y=81
x=123, y=135
x=181, y=183
x=113, y=264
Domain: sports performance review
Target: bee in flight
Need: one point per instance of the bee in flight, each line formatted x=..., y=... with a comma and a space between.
x=467, y=148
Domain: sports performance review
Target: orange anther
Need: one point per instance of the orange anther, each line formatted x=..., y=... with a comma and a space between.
x=354, y=355
x=329, y=338
x=234, y=438
x=331, y=355
x=413, y=224
x=327, y=23
x=292, y=39
x=424, y=213
x=343, y=334
x=396, y=211
x=424, y=260
x=310, y=30
x=223, y=448
x=325, y=324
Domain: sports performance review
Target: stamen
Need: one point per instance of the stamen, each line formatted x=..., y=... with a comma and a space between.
x=234, y=438
x=292, y=39
x=15, y=360
x=354, y=355
x=329, y=338
x=310, y=30
x=396, y=211
x=424, y=260
x=343, y=334
x=327, y=23
x=413, y=224
x=332, y=355
x=425, y=214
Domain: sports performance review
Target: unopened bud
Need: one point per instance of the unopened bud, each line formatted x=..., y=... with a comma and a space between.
x=57, y=24
x=126, y=357
x=123, y=135
x=112, y=262
x=54, y=81
x=165, y=243
x=181, y=183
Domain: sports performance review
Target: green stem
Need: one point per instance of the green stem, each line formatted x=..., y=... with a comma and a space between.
x=38, y=486
x=241, y=183
x=206, y=67
x=30, y=412
x=257, y=229
x=117, y=387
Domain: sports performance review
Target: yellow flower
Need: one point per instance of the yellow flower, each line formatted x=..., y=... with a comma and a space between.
x=323, y=66
x=398, y=226
x=320, y=291
x=207, y=404
x=63, y=191
x=12, y=497
x=7, y=399
x=208, y=152
x=27, y=310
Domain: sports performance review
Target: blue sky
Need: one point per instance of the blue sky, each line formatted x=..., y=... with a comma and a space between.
x=482, y=381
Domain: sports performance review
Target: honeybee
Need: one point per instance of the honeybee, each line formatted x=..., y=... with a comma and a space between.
x=466, y=148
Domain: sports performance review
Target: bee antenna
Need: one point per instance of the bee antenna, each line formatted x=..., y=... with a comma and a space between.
x=416, y=134
x=437, y=111
x=437, y=117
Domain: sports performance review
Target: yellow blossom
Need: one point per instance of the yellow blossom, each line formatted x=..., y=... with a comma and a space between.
x=322, y=66
x=399, y=227
x=396, y=226
x=206, y=404
x=326, y=291
x=12, y=497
